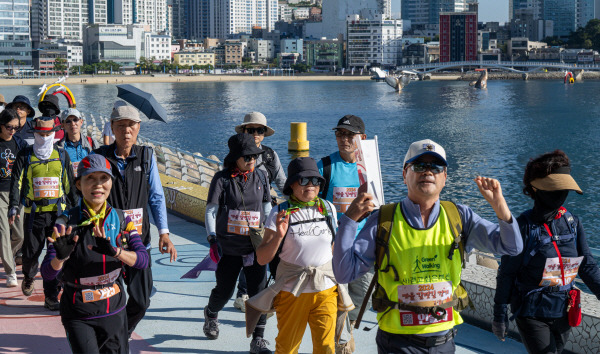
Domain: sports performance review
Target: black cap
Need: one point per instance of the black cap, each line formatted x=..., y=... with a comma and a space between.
x=241, y=145
x=352, y=123
x=49, y=106
x=298, y=168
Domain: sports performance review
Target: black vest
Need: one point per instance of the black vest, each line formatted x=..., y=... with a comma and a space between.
x=131, y=191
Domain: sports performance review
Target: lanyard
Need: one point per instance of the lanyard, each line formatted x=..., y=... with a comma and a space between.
x=562, y=270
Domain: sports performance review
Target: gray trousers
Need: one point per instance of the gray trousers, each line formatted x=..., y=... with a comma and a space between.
x=10, y=242
x=358, y=290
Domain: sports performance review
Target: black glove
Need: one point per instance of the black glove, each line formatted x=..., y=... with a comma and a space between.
x=500, y=322
x=64, y=245
x=103, y=246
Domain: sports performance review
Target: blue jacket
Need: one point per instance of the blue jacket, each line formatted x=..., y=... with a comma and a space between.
x=520, y=277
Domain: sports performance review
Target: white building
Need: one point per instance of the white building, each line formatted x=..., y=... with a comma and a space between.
x=123, y=44
x=263, y=49
x=373, y=42
x=65, y=18
x=335, y=13
x=289, y=45
x=285, y=12
x=152, y=13
x=157, y=46
x=301, y=13
x=122, y=12
x=232, y=17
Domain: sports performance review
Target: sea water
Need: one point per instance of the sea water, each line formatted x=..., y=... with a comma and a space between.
x=491, y=132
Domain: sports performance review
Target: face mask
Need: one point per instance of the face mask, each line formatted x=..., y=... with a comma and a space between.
x=546, y=203
x=43, y=146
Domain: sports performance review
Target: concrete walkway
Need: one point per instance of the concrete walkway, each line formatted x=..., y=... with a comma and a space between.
x=173, y=324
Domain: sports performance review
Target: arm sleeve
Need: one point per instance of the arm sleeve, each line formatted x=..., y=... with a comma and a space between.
x=49, y=273
x=502, y=238
x=266, y=208
x=16, y=180
x=136, y=245
x=280, y=175
x=270, y=223
x=210, y=218
x=68, y=183
x=156, y=199
x=588, y=271
x=354, y=257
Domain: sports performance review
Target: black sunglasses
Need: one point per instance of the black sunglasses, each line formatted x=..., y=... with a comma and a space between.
x=11, y=127
x=69, y=121
x=260, y=130
x=315, y=181
x=249, y=158
x=420, y=167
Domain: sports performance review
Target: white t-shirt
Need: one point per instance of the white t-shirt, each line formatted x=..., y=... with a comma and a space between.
x=307, y=244
x=107, y=131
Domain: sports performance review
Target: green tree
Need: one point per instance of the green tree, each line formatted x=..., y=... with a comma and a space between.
x=553, y=41
x=60, y=65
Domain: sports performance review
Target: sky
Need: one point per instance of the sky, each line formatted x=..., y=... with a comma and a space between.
x=489, y=10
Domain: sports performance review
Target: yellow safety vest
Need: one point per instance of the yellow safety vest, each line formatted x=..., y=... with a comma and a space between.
x=45, y=181
x=426, y=276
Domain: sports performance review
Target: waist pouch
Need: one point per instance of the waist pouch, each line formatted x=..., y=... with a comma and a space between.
x=256, y=236
x=574, y=309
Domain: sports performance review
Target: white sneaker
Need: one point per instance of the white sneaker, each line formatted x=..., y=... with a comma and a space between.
x=240, y=302
x=11, y=281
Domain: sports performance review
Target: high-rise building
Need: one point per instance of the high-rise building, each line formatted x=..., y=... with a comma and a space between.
x=55, y=19
x=335, y=13
x=198, y=18
x=15, y=42
x=152, y=13
x=375, y=41
x=179, y=25
x=458, y=36
x=423, y=13
x=229, y=17
x=120, y=12
x=566, y=15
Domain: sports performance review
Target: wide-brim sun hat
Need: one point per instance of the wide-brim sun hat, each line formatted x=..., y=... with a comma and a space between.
x=44, y=125
x=255, y=118
x=425, y=147
x=301, y=167
x=241, y=145
x=24, y=100
x=558, y=180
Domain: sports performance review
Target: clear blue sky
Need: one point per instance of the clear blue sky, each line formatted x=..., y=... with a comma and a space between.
x=489, y=10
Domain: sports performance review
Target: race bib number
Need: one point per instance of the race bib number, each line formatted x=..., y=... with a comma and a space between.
x=101, y=279
x=45, y=187
x=75, y=165
x=425, y=295
x=91, y=295
x=552, y=275
x=137, y=217
x=343, y=197
x=238, y=221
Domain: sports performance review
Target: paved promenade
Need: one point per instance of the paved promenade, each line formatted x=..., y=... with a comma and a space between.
x=173, y=324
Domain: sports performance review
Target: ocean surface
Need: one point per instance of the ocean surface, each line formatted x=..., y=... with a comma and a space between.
x=492, y=132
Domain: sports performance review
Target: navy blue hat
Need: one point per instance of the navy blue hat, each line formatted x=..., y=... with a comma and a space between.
x=93, y=163
x=298, y=168
x=25, y=100
x=241, y=145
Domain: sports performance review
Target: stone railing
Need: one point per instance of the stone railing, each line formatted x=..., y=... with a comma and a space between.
x=480, y=283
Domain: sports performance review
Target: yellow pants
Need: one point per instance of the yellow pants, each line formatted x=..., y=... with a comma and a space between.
x=319, y=310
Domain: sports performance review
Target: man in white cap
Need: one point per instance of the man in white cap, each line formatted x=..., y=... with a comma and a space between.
x=417, y=247
x=76, y=144
x=136, y=189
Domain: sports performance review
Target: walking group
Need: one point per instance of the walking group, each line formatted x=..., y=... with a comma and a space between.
x=319, y=258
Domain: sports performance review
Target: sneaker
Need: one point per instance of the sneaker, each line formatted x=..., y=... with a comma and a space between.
x=345, y=348
x=11, y=281
x=240, y=302
x=27, y=286
x=211, y=326
x=51, y=304
x=259, y=346
x=19, y=258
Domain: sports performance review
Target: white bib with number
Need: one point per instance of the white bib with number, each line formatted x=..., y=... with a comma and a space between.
x=238, y=221
x=343, y=197
x=426, y=295
x=552, y=275
x=46, y=187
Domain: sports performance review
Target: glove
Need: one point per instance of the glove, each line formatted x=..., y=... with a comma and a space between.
x=12, y=212
x=499, y=324
x=103, y=246
x=215, y=249
x=499, y=329
x=64, y=245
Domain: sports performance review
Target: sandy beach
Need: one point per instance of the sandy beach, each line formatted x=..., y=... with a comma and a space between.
x=129, y=79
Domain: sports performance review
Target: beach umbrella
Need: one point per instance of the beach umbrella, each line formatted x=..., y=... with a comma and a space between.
x=143, y=101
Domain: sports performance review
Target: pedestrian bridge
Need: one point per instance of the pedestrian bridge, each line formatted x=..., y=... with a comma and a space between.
x=514, y=66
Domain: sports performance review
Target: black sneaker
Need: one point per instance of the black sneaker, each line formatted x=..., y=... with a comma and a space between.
x=19, y=258
x=27, y=286
x=51, y=304
x=211, y=326
x=259, y=346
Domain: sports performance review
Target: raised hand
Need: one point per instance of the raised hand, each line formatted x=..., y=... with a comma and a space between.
x=63, y=242
x=491, y=190
x=103, y=245
x=360, y=207
x=282, y=222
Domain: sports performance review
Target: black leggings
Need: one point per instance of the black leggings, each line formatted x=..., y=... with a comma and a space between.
x=100, y=335
x=544, y=335
x=227, y=273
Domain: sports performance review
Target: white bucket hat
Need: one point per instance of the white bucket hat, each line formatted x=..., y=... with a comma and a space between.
x=255, y=118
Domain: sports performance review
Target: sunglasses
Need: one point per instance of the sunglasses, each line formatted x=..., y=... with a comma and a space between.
x=341, y=134
x=74, y=120
x=420, y=167
x=260, y=130
x=315, y=181
x=11, y=127
x=249, y=158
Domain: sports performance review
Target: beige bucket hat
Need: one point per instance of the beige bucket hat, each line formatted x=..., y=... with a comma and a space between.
x=255, y=118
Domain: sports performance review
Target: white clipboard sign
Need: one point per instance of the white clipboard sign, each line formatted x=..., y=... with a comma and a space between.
x=369, y=168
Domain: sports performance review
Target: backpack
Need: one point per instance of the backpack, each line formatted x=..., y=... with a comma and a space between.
x=329, y=219
x=380, y=301
x=268, y=160
x=226, y=181
x=327, y=175
x=61, y=157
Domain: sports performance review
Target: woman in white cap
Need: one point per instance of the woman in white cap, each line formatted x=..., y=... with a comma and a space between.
x=539, y=282
x=76, y=144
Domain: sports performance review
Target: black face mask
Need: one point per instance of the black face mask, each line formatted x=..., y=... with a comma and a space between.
x=546, y=204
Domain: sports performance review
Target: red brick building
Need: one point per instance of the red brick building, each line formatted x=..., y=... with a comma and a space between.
x=458, y=36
